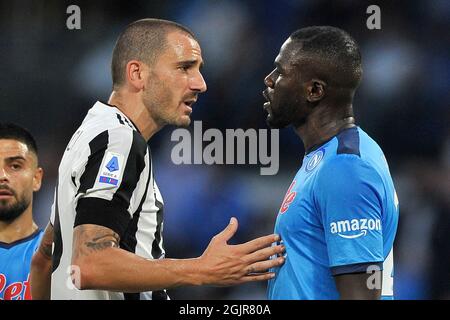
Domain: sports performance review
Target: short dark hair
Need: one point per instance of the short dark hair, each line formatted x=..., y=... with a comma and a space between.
x=334, y=47
x=142, y=40
x=14, y=132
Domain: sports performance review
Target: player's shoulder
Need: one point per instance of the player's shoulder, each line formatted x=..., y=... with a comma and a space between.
x=344, y=150
x=354, y=145
x=351, y=156
x=348, y=143
x=342, y=166
x=346, y=174
x=102, y=117
x=105, y=125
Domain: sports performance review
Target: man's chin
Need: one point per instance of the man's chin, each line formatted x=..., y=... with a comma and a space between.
x=6, y=203
x=183, y=122
x=12, y=212
x=276, y=123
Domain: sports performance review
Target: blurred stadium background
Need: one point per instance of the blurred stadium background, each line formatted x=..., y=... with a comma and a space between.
x=50, y=76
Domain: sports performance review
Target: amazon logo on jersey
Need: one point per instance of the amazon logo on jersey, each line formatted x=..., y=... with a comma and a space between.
x=356, y=227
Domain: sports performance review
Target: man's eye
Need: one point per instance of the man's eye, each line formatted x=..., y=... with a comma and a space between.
x=16, y=166
x=183, y=68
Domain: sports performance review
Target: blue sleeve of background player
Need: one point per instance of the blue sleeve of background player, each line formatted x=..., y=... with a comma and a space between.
x=348, y=196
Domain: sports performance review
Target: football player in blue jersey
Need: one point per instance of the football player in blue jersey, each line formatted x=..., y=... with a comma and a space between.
x=339, y=217
x=20, y=176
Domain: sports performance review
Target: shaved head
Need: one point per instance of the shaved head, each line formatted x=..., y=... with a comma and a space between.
x=331, y=54
x=143, y=40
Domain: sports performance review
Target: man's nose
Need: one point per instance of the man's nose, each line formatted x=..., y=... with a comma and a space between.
x=268, y=81
x=198, y=83
x=3, y=175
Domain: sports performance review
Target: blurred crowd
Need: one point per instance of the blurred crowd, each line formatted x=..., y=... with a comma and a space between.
x=51, y=76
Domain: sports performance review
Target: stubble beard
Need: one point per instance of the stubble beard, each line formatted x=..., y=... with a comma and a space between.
x=9, y=213
x=158, y=103
x=288, y=113
x=279, y=119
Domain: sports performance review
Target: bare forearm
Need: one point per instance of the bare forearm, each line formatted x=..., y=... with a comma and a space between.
x=41, y=267
x=40, y=277
x=355, y=287
x=114, y=269
x=100, y=263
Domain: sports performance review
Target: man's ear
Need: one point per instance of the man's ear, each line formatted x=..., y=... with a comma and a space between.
x=315, y=90
x=37, y=179
x=135, y=71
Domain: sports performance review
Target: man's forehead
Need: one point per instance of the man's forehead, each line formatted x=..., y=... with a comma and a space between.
x=183, y=46
x=289, y=52
x=14, y=148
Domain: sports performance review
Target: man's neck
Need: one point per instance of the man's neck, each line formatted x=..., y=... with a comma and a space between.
x=135, y=110
x=18, y=229
x=323, y=124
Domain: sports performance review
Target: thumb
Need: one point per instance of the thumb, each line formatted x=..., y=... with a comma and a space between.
x=229, y=231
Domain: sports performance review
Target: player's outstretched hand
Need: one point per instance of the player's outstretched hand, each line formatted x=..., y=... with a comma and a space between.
x=226, y=265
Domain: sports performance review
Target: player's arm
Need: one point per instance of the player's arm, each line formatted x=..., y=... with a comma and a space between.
x=101, y=264
x=41, y=267
x=356, y=286
x=348, y=193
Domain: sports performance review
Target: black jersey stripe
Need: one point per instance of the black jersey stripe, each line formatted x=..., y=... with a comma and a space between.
x=132, y=172
x=133, y=125
x=102, y=212
x=156, y=247
x=129, y=240
x=159, y=295
x=97, y=147
x=128, y=122
x=156, y=295
x=57, y=236
x=123, y=119
x=120, y=119
x=132, y=296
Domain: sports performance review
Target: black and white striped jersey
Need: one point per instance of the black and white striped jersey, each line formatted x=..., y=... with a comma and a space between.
x=106, y=178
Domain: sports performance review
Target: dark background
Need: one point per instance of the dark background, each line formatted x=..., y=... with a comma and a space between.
x=50, y=76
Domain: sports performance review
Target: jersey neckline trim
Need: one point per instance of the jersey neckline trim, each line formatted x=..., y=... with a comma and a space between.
x=317, y=146
x=17, y=242
x=113, y=106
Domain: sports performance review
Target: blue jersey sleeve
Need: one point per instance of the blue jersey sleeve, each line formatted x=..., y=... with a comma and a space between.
x=348, y=197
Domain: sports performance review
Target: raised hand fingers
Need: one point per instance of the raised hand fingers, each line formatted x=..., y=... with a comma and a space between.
x=229, y=231
x=263, y=266
x=265, y=253
x=257, y=277
x=258, y=243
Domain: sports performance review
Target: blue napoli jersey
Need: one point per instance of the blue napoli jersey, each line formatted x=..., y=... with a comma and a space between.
x=339, y=216
x=15, y=261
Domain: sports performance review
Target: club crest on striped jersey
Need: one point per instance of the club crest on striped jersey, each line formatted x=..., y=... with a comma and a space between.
x=112, y=167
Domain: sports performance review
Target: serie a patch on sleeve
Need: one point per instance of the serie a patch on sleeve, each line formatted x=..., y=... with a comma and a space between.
x=112, y=168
